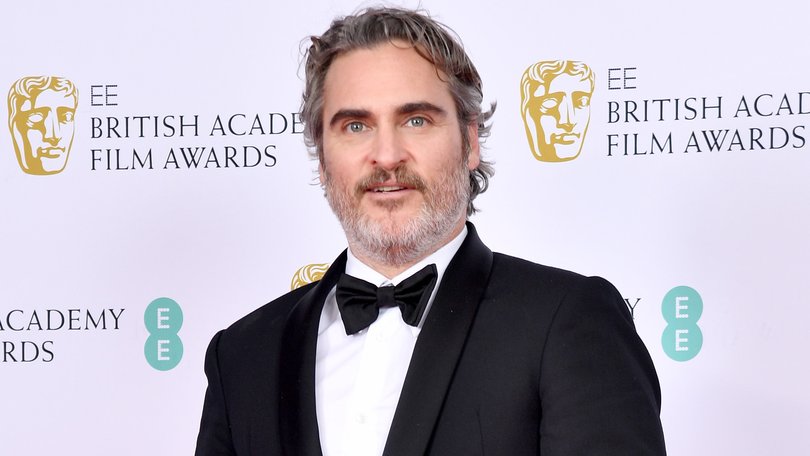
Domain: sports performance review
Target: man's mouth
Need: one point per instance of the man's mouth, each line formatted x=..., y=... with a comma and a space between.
x=383, y=182
x=388, y=188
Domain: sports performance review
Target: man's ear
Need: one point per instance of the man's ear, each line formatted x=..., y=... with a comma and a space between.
x=474, y=156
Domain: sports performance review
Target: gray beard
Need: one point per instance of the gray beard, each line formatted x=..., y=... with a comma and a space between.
x=398, y=244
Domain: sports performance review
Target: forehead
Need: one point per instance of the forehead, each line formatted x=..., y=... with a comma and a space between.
x=52, y=98
x=386, y=75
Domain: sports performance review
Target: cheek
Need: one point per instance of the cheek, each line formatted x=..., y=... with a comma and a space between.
x=337, y=175
x=443, y=156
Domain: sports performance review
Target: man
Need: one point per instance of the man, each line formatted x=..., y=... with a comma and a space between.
x=470, y=352
x=40, y=118
x=555, y=101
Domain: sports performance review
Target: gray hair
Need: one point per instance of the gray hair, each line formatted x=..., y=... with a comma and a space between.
x=432, y=40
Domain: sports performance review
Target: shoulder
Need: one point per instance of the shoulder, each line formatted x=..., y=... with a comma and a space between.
x=265, y=321
x=535, y=282
x=520, y=269
x=533, y=275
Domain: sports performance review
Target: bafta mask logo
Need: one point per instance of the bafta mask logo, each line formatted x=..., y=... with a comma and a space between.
x=308, y=274
x=555, y=103
x=41, y=112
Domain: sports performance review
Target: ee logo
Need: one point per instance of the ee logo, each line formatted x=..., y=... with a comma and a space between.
x=682, y=338
x=163, y=319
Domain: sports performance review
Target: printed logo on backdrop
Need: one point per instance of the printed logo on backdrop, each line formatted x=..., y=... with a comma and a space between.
x=555, y=104
x=39, y=335
x=756, y=121
x=308, y=274
x=41, y=118
x=682, y=338
x=128, y=141
x=41, y=111
x=163, y=319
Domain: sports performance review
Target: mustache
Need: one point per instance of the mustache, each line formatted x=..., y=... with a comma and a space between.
x=400, y=175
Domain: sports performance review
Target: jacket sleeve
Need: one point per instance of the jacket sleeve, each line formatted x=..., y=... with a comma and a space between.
x=599, y=392
x=215, y=433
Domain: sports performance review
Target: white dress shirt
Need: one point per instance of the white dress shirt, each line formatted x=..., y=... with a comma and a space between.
x=358, y=378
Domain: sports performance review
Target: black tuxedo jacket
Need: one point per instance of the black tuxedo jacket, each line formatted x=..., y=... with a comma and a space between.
x=514, y=359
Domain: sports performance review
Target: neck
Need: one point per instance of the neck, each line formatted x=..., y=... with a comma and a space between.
x=391, y=269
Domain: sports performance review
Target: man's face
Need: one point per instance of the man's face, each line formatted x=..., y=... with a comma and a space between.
x=561, y=110
x=45, y=123
x=393, y=166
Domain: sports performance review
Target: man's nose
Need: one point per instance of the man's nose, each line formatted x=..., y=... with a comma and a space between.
x=53, y=130
x=388, y=149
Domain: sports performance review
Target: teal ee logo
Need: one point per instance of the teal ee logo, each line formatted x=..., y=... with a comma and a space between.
x=163, y=319
x=682, y=338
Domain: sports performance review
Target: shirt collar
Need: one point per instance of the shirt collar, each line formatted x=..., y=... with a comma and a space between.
x=441, y=258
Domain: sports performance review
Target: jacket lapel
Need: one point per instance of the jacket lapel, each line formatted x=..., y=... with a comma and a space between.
x=297, y=415
x=439, y=347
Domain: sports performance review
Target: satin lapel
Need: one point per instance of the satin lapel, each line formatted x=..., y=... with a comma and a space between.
x=439, y=347
x=297, y=416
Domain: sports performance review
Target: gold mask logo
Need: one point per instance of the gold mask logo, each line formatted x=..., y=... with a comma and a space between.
x=555, y=103
x=41, y=112
x=308, y=274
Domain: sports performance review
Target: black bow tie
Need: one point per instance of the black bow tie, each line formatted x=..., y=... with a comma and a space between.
x=360, y=302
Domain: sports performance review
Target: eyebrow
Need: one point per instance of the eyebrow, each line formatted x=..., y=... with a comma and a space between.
x=420, y=106
x=349, y=114
x=407, y=108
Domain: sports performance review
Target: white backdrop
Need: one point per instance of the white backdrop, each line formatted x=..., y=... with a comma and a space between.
x=731, y=224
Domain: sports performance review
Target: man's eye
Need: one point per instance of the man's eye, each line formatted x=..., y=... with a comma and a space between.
x=416, y=122
x=355, y=127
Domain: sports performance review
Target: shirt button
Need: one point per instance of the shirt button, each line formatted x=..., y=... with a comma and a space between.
x=360, y=418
